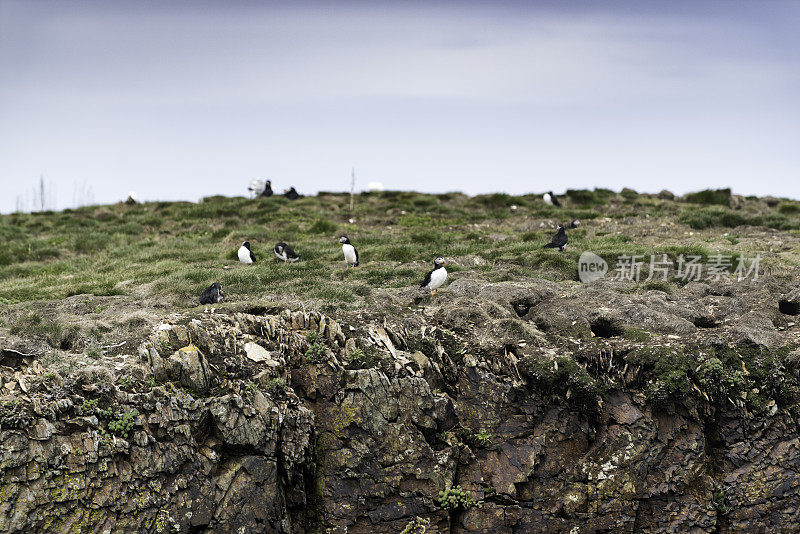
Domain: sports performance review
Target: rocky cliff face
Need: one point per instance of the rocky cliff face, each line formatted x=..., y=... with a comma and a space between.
x=499, y=408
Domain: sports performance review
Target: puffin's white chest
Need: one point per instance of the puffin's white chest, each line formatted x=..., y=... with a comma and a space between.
x=281, y=256
x=548, y=199
x=244, y=255
x=438, y=276
x=349, y=253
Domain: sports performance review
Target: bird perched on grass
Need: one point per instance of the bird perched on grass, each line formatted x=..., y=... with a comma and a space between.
x=292, y=193
x=559, y=240
x=212, y=294
x=260, y=188
x=245, y=254
x=267, y=192
x=550, y=199
x=574, y=224
x=349, y=251
x=284, y=252
x=436, y=277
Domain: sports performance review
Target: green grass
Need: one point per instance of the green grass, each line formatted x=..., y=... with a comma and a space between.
x=715, y=216
x=176, y=249
x=721, y=197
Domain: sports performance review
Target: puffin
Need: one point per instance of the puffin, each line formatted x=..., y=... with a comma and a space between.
x=245, y=254
x=284, y=252
x=349, y=251
x=212, y=294
x=267, y=192
x=559, y=240
x=436, y=276
x=550, y=199
x=292, y=193
x=574, y=224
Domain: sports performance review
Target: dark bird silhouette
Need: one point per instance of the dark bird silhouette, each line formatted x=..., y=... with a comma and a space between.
x=267, y=192
x=574, y=224
x=292, y=194
x=212, y=294
x=559, y=240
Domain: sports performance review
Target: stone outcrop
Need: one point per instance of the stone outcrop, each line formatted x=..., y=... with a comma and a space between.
x=514, y=408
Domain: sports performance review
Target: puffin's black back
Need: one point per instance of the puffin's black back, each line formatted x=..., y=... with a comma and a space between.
x=559, y=240
x=281, y=246
x=211, y=294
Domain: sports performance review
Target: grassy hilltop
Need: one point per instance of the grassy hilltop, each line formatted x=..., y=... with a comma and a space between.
x=167, y=252
x=517, y=397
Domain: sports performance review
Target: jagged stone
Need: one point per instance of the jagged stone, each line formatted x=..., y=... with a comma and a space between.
x=188, y=367
x=495, y=392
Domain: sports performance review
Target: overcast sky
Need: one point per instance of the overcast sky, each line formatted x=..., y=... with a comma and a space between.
x=179, y=100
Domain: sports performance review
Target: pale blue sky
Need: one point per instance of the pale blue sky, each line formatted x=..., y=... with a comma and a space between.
x=179, y=100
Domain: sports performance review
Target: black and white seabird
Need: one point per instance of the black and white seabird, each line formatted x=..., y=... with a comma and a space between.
x=212, y=294
x=284, y=252
x=349, y=251
x=559, y=240
x=436, y=277
x=292, y=194
x=245, y=254
x=574, y=224
x=550, y=199
x=260, y=188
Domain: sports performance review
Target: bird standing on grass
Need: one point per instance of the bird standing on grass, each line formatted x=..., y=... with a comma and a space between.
x=267, y=192
x=550, y=199
x=349, y=251
x=284, y=252
x=212, y=294
x=245, y=254
x=436, y=277
x=559, y=240
x=260, y=188
x=574, y=224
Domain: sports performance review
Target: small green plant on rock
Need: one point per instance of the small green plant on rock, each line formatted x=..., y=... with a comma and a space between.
x=453, y=498
x=418, y=525
x=120, y=426
x=363, y=358
x=721, y=503
x=483, y=438
x=718, y=381
x=125, y=382
x=276, y=384
x=88, y=405
x=316, y=349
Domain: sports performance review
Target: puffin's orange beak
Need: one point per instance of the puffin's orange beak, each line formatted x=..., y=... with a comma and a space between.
x=445, y=262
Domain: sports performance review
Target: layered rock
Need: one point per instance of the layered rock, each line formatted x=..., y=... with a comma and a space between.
x=525, y=411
